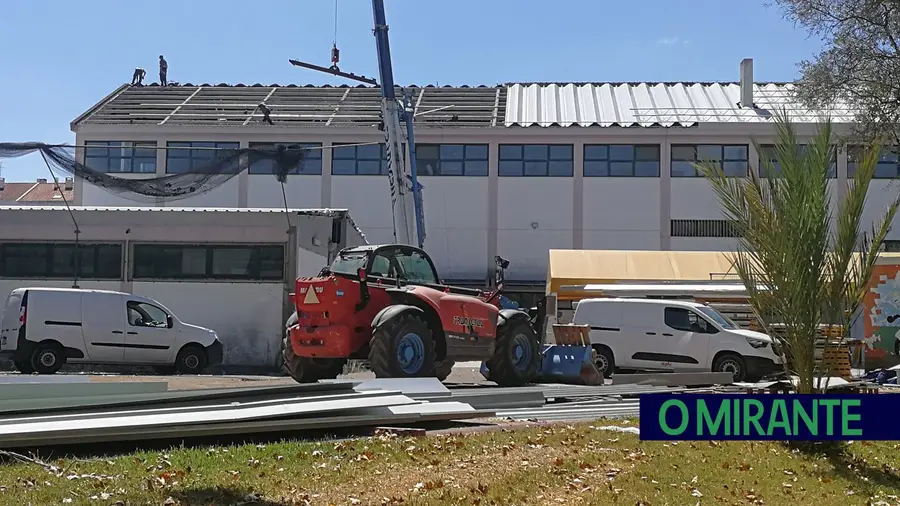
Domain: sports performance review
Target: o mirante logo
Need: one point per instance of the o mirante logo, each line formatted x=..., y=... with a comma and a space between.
x=768, y=417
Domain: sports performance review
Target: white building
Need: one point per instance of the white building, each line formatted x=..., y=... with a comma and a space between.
x=514, y=170
x=230, y=270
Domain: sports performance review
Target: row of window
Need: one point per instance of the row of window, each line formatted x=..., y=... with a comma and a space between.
x=149, y=261
x=523, y=160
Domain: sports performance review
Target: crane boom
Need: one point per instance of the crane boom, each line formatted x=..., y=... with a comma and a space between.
x=404, y=187
x=407, y=210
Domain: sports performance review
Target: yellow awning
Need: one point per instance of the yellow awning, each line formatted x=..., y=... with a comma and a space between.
x=583, y=267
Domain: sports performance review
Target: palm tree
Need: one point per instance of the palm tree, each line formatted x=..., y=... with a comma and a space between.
x=801, y=263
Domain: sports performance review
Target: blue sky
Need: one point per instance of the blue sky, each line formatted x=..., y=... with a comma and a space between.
x=60, y=57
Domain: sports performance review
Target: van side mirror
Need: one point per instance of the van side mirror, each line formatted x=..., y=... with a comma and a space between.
x=170, y=322
x=500, y=265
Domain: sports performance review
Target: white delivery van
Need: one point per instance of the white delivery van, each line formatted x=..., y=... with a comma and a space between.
x=675, y=336
x=43, y=328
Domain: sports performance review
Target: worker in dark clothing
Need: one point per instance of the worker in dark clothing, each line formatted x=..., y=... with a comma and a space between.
x=138, y=77
x=163, y=70
x=264, y=109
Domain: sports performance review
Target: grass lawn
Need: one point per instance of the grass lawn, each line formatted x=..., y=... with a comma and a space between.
x=576, y=464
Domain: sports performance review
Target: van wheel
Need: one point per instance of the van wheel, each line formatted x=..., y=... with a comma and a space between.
x=191, y=360
x=48, y=358
x=604, y=361
x=23, y=367
x=733, y=363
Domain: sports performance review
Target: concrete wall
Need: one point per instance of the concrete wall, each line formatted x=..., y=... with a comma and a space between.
x=471, y=219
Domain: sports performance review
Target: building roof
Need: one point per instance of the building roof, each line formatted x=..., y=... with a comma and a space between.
x=39, y=192
x=295, y=106
x=653, y=104
x=662, y=104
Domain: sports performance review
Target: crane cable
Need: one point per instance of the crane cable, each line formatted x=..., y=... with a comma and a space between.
x=335, y=52
x=335, y=21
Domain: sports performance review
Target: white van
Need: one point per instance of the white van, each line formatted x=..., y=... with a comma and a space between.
x=674, y=336
x=43, y=328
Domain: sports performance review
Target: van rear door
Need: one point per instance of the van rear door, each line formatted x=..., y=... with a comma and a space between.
x=10, y=320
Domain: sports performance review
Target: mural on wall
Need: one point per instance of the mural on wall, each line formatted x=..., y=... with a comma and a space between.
x=882, y=306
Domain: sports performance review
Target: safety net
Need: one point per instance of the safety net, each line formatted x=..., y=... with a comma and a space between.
x=210, y=167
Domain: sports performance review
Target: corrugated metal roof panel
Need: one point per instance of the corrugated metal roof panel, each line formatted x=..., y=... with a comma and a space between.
x=653, y=105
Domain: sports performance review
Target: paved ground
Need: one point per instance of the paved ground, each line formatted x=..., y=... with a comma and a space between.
x=462, y=373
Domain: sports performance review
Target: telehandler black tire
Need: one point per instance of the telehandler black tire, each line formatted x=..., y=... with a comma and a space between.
x=403, y=348
x=443, y=368
x=517, y=356
x=307, y=369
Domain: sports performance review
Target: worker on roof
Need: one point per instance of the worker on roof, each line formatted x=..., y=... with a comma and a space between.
x=264, y=109
x=138, y=76
x=163, y=70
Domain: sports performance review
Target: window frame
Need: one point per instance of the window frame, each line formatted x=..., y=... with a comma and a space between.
x=609, y=159
x=313, y=157
x=335, y=150
x=157, y=253
x=92, y=148
x=422, y=161
x=50, y=269
x=696, y=158
x=525, y=158
x=189, y=150
x=852, y=150
x=769, y=149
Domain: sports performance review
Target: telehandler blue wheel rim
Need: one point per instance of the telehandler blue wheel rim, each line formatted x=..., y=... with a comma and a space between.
x=521, y=352
x=410, y=353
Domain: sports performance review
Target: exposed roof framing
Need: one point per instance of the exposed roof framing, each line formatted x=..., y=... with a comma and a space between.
x=194, y=94
x=292, y=106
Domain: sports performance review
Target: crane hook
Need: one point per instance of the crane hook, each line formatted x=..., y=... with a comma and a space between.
x=335, y=57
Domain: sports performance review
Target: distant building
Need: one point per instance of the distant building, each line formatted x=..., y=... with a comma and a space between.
x=40, y=192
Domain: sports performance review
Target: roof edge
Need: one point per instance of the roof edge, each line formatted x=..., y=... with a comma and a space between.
x=108, y=98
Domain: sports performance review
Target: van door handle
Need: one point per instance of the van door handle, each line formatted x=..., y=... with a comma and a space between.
x=651, y=333
x=132, y=333
x=665, y=334
x=116, y=331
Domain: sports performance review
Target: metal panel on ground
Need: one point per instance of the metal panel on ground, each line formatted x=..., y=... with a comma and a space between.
x=406, y=386
x=9, y=429
x=16, y=391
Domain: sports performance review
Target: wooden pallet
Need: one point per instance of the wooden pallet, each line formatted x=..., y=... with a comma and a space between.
x=572, y=335
x=836, y=362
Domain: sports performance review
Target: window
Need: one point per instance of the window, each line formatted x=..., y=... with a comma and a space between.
x=310, y=165
x=142, y=314
x=767, y=152
x=719, y=318
x=888, y=166
x=369, y=160
x=406, y=264
x=187, y=157
x=621, y=160
x=702, y=228
x=452, y=159
x=732, y=158
x=121, y=156
x=175, y=261
x=891, y=246
x=683, y=319
x=48, y=260
x=553, y=160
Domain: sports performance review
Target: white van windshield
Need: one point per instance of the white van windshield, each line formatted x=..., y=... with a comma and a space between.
x=722, y=320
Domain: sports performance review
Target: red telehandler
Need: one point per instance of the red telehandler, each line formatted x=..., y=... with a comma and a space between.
x=387, y=304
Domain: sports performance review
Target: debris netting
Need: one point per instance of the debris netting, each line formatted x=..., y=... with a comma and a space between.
x=214, y=169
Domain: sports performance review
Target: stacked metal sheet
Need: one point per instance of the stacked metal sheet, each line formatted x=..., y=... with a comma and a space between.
x=35, y=416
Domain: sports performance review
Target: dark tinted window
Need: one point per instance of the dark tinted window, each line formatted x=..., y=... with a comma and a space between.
x=621, y=160
x=452, y=159
x=175, y=261
x=49, y=260
x=310, y=164
x=547, y=160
